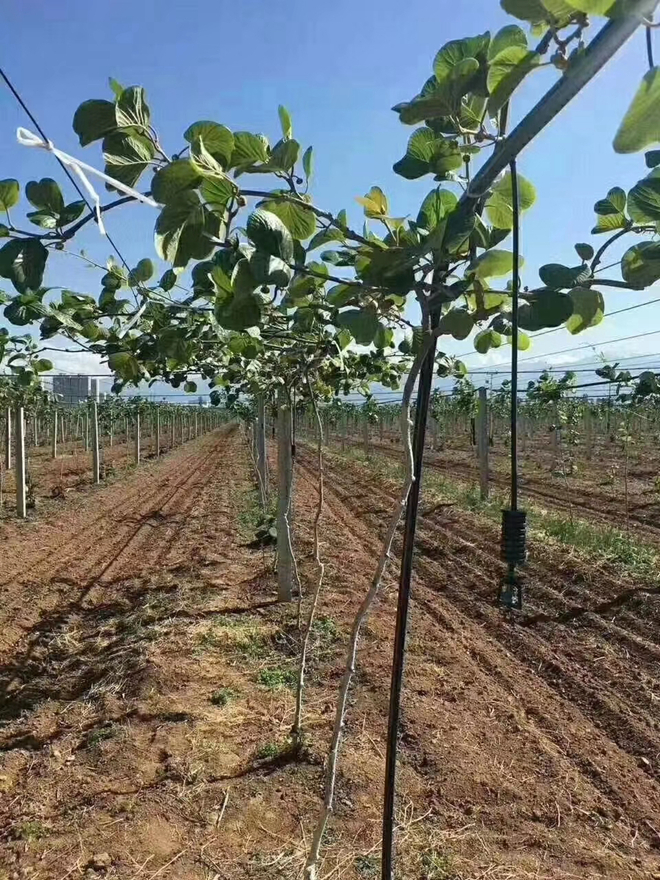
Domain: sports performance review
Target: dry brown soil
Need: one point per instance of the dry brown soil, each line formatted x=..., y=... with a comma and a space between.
x=145, y=698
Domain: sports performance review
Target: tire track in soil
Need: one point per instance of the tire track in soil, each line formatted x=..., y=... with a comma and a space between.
x=97, y=548
x=585, y=719
x=593, y=505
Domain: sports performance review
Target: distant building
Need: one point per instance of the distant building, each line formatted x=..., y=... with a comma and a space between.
x=71, y=389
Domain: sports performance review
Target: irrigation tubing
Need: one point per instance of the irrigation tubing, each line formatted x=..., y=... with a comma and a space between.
x=515, y=291
x=403, y=602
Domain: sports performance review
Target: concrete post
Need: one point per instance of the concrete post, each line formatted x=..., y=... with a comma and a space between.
x=172, y=431
x=8, y=439
x=96, y=461
x=21, y=475
x=284, y=479
x=158, y=433
x=589, y=432
x=137, y=438
x=35, y=430
x=260, y=449
x=482, y=442
x=365, y=435
x=87, y=429
x=54, y=436
x=196, y=424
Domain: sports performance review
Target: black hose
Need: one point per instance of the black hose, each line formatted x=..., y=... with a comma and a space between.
x=515, y=292
x=405, y=577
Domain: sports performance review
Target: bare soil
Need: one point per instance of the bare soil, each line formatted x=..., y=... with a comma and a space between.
x=146, y=700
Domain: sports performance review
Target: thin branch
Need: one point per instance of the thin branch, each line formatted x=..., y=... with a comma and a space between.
x=311, y=866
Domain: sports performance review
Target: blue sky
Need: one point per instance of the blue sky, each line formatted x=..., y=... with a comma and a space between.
x=339, y=68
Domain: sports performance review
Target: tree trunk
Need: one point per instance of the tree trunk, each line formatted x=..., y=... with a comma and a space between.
x=284, y=481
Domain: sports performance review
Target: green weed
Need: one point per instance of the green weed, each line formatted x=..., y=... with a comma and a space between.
x=326, y=628
x=270, y=750
x=367, y=866
x=222, y=696
x=274, y=679
x=438, y=866
x=31, y=831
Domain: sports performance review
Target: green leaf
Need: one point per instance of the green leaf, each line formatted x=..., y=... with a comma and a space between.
x=217, y=192
x=168, y=280
x=640, y=265
x=71, y=212
x=9, y=254
x=374, y=203
x=125, y=365
x=509, y=36
x=428, y=154
x=10, y=193
x=459, y=323
x=641, y=124
x=528, y=10
x=493, y=264
x=127, y=155
x=499, y=206
x=308, y=162
x=284, y=155
x=45, y=195
x=132, y=108
x=384, y=337
x=524, y=342
x=269, y=234
x=435, y=208
x=300, y=221
x=285, y=122
x=505, y=73
x=217, y=139
x=609, y=223
x=116, y=87
x=93, y=120
x=42, y=365
x=173, y=179
x=341, y=294
x=584, y=251
x=652, y=158
x=143, y=271
x=243, y=309
x=559, y=277
x=546, y=308
x=180, y=230
x=486, y=340
x=344, y=339
x=249, y=149
x=361, y=323
x=644, y=200
x=34, y=260
x=270, y=270
x=614, y=203
x=588, y=309
x=325, y=236
x=593, y=7
x=44, y=219
x=190, y=387
x=454, y=53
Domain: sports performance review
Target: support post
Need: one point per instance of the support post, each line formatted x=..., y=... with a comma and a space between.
x=96, y=461
x=284, y=479
x=137, y=438
x=35, y=430
x=365, y=435
x=54, y=437
x=158, y=433
x=260, y=449
x=87, y=429
x=482, y=442
x=8, y=439
x=21, y=475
